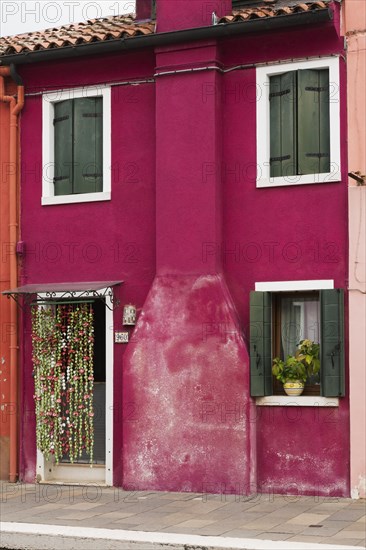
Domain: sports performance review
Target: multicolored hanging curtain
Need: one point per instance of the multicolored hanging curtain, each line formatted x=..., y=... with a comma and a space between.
x=63, y=350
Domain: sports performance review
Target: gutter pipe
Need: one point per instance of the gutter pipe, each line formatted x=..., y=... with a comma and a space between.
x=15, y=105
x=223, y=30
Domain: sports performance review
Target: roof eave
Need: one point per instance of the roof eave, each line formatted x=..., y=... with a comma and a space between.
x=316, y=17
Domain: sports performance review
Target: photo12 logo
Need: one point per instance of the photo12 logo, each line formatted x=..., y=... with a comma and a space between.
x=44, y=13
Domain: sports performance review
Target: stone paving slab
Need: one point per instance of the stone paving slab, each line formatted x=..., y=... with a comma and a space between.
x=328, y=521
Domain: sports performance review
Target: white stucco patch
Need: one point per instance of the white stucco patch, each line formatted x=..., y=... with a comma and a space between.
x=360, y=490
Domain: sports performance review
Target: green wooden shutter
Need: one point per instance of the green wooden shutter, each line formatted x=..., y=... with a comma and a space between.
x=88, y=145
x=282, y=105
x=260, y=344
x=63, y=147
x=313, y=121
x=332, y=342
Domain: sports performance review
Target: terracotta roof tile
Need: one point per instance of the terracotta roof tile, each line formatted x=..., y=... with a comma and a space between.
x=95, y=30
x=270, y=8
x=125, y=26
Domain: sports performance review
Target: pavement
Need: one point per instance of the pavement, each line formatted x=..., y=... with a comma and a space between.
x=94, y=517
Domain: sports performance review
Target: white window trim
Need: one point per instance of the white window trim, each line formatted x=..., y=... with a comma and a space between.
x=304, y=400
x=48, y=144
x=49, y=472
x=288, y=286
x=263, y=118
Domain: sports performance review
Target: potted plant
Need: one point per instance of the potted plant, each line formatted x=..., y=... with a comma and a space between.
x=296, y=369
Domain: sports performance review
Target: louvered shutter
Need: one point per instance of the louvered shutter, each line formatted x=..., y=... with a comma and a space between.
x=88, y=145
x=332, y=342
x=313, y=121
x=260, y=344
x=63, y=129
x=282, y=104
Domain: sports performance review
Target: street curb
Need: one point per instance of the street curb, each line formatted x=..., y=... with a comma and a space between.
x=30, y=536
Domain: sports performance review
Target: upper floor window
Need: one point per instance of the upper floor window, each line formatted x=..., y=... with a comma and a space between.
x=78, y=131
x=298, y=124
x=76, y=146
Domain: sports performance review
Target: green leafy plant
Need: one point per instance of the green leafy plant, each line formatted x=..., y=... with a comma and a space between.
x=309, y=354
x=301, y=366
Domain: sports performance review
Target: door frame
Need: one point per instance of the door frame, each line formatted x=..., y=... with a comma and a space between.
x=47, y=471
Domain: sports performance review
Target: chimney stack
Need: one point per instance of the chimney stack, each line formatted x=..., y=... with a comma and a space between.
x=175, y=15
x=144, y=9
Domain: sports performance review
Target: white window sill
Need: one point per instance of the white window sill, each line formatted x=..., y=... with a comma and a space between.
x=72, y=199
x=300, y=401
x=299, y=180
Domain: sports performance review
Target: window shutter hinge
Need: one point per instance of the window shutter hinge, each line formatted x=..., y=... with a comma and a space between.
x=274, y=159
x=316, y=88
x=317, y=155
x=60, y=119
x=276, y=94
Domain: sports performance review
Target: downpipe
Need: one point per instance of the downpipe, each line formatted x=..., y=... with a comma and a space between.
x=15, y=106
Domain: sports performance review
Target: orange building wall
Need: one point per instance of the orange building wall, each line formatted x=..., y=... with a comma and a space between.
x=5, y=327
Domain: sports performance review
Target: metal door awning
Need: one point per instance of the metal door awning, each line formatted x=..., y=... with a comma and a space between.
x=62, y=291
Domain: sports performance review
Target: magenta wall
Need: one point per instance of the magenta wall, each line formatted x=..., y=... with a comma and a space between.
x=288, y=233
x=249, y=234
x=189, y=363
x=112, y=240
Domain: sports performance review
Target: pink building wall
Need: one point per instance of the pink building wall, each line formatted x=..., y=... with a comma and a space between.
x=188, y=232
x=354, y=26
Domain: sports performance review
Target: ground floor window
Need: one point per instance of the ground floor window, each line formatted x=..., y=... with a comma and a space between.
x=280, y=320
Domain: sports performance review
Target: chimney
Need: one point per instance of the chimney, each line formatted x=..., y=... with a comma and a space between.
x=188, y=362
x=174, y=15
x=144, y=9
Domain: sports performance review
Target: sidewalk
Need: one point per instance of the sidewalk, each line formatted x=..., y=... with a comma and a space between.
x=94, y=517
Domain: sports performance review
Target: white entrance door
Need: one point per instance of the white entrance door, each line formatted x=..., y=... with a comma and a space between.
x=100, y=471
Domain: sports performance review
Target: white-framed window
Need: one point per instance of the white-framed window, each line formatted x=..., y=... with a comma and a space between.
x=277, y=324
x=76, y=145
x=298, y=123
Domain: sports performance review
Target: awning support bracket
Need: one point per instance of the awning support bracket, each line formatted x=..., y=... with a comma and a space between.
x=27, y=299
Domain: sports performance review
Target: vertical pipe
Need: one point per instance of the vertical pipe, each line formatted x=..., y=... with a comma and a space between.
x=16, y=106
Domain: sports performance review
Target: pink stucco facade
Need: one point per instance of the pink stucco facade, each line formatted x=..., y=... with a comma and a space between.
x=190, y=234
x=355, y=30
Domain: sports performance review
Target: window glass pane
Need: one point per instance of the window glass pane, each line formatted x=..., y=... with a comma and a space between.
x=300, y=319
